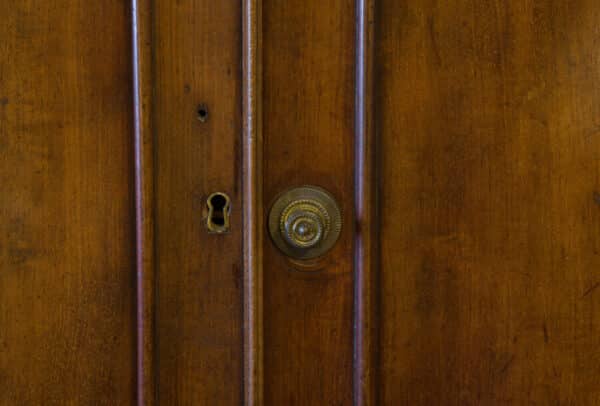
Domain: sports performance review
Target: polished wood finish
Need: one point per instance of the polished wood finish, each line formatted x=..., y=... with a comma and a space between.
x=308, y=121
x=253, y=203
x=460, y=139
x=67, y=326
x=143, y=136
x=366, y=246
x=489, y=114
x=197, y=62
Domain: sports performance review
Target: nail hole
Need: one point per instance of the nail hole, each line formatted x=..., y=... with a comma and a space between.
x=202, y=113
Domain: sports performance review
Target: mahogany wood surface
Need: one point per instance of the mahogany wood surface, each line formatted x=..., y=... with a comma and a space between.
x=460, y=138
x=308, y=122
x=143, y=141
x=197, y=62
x=254, y=230
x=67, y=325
x=366, y=206
x=489, y=115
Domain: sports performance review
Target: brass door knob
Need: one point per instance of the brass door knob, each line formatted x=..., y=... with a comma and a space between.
x=305, y=222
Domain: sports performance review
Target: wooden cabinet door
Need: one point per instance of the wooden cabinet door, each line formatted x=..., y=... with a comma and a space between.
x=487, y=115
x=67, y=298
x=460, y=139
x=145, y=147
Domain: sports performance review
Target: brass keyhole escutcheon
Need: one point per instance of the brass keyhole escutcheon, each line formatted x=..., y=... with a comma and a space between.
x=305, y=222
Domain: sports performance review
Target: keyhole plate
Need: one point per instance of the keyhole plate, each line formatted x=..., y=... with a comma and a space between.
x=305, y=222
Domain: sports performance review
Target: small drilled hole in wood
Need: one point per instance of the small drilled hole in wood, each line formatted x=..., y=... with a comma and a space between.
x=202, y=113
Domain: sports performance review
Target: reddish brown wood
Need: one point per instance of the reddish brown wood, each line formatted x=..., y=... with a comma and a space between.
x=197, y=51
x=308, y=93
x=253, y=204
x=366, y=247
x=489, y=114
x=67, y=305
x=141, y=23
x=460, y=139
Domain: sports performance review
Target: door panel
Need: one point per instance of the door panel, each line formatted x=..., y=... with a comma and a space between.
x=459, y=138
x=489, y=191
x=66, y=204
x=197, y=121
x=308, y=139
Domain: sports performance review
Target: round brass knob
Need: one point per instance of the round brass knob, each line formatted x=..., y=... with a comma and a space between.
x=305, y=222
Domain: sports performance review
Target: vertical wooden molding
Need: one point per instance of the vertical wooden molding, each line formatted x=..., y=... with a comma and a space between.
x=144, y=197
x=253, y=205
x=366, y=212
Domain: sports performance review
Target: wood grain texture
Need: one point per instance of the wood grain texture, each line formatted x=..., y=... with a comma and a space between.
x=489, y=113
x=308, y=94
x=67, y=325
x=197, y=61
x=143, y=135
x=253, y=203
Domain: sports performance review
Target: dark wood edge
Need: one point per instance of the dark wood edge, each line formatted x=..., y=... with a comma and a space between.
x=366, y=260
x=253, y=215
x=144, y=198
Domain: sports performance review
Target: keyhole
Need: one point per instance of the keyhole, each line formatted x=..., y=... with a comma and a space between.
x=218, y=205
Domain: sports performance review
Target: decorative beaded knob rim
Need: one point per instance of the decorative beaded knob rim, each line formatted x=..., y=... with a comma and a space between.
x=305, y=222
